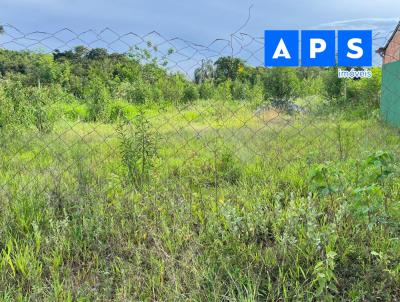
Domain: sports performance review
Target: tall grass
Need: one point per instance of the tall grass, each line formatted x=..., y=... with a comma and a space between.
x=232, y=206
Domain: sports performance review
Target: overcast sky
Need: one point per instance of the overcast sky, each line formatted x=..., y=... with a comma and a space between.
x=193, y=19
x=197, y=21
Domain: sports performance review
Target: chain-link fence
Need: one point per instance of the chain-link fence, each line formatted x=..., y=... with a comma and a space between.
x=214, y=99
x=102, y=129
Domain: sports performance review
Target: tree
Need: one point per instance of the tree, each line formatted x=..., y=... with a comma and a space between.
x=204, y=72
x=80, y=51
x=1, y=29
x=228, y=68
x=281, y=85
x=97, y=54
x=66, y=55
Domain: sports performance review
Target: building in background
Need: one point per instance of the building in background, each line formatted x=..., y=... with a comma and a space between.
x=391, y=51
x=390, y=99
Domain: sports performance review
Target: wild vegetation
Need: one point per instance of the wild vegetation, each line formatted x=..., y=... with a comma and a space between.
x=123, y=181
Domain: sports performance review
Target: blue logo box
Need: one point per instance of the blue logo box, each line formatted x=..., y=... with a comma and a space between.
x=318, y=48
x=288, y=54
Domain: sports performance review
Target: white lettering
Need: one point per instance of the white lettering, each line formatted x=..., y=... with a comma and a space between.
x=351, y=45
x=281, y=51
x=316, y=46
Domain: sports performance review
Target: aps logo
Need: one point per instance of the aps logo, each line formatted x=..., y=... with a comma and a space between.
x=318, y=48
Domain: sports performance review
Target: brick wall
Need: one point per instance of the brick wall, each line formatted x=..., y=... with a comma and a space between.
x=392, y=52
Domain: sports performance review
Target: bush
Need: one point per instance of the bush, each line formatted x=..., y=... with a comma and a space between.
x=257, y=95
x=135, y=93
x=228, y=167
x=240, y=90
x=17, y=96
x=333, y=86
x=224, y=91
x=366, y=91
x=42, y=109
x=27, y=106
x=206, y=90
x=311, y=86
x=138, y=150
x=172, y=88
x=119, y=110
x=96, y=97
x=73, y=111
x=190, y=93
x=155, y=94
x=6, y=110
x=115, y=112
x=281, y=85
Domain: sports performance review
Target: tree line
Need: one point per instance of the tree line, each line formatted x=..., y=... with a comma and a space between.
x=99, y=79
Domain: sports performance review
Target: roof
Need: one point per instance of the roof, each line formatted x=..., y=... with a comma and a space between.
x=392, y=36
x=383, y=49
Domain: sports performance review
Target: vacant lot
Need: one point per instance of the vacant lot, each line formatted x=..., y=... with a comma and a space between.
x=207, y=201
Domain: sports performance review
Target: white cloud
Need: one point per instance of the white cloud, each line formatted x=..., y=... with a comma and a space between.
x=363, y=22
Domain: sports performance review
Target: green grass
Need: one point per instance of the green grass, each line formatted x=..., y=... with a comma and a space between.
x=238, y=207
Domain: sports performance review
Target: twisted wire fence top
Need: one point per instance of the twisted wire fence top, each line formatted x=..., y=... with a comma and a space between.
x=181, y=54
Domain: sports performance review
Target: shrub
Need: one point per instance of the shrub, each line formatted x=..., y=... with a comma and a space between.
x=138, y=150
x=135, y=93
x=16, y=94
x=190, y=93
x=96, y=97
x=206, y=90
x=172, y=88
x=281, y=85
x=228, y=167
x=240, y=90
x=311, y=86
x=73, y=111
x=333, y=86
x=119, y=110
x=366, y=91
x=224, y=91
x=6, y=110
x=155, y=94
x=115, y=112
x=257, y=95
x=43, y=112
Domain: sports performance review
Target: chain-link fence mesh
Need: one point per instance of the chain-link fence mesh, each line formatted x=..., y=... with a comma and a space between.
x=247, y=128
x=177, y=128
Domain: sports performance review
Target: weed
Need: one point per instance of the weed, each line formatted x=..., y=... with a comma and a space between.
x=138, y=150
